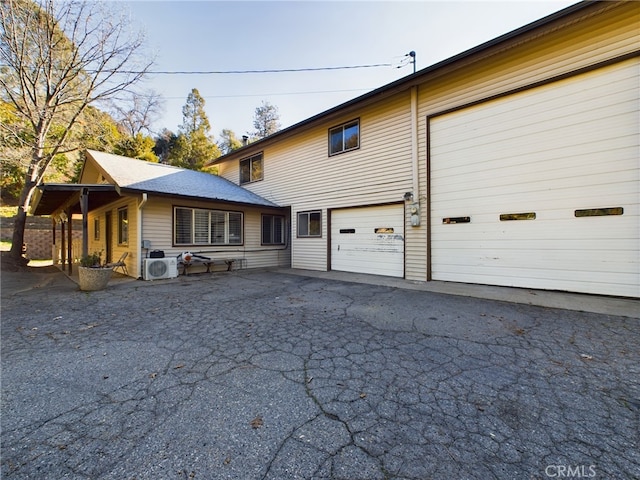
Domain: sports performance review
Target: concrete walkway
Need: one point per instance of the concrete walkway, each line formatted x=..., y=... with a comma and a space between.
x=287, y=375
x=626, y=307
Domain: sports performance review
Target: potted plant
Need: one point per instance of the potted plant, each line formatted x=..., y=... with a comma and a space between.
x=92, y=274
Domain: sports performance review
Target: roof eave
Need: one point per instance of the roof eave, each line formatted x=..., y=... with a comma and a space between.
x=136, y=191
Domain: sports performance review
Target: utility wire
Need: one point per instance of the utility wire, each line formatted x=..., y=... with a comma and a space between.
x=276, y=94
x=275, y=70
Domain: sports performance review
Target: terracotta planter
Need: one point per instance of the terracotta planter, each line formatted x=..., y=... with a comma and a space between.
x=91, y=279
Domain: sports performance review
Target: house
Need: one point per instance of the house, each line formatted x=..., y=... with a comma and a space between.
x=138, y=207
x=515, y=163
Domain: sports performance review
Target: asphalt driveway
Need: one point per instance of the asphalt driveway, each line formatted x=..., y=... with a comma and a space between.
x=265, y=375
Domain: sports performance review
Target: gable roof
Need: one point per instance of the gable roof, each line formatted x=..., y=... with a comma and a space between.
x=138, y=176
x=128, y=175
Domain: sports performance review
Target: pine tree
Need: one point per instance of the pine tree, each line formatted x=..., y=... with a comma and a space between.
x=266, y=120
x=194, y=146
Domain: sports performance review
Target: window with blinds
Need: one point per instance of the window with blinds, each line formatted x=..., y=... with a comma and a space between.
x=197, y=226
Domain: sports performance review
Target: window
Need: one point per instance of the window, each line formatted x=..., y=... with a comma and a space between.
x=272, y=230
x=123, y=226
x=454, y=220
x=506, y=217
x=251, y=169
x=344, y=137
x=96, y=229
x=599, y=212
x=197, y=226
x=309, y=224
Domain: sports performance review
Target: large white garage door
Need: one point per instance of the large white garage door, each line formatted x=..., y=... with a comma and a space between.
x=368, y=240
x=541, y=189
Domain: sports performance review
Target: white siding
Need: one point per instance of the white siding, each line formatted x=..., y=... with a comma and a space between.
x=551, y=150
x=158, y=229
x=579, y=44
x=300, y=173
x=100, y=245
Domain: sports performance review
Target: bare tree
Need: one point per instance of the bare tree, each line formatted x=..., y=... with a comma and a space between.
x=58, y=58
x=137, y=111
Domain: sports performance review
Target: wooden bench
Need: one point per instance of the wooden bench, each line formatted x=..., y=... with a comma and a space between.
x=197, y=259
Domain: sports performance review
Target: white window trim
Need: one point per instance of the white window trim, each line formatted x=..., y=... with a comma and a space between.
x=209, y=242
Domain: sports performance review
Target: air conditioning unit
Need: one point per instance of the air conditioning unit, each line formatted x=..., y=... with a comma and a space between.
x=158, y=268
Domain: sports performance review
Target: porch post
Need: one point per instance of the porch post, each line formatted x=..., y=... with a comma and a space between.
x=70, y=242
x=84, y=207
x=63, y=246
x=54, y=250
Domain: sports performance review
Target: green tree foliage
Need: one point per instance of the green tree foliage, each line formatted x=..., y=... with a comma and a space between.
x=228, y=141
x=13, y=137
x=266, y=120
x=139, y=146
x=57, y=59
x=194, y=146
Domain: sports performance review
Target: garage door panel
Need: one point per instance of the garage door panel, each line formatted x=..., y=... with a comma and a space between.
x=368, y=240
x=552, y=259
x=520, y=172
x=620, y=286
x=549, y=205
x=544, y=106
x=552, y=150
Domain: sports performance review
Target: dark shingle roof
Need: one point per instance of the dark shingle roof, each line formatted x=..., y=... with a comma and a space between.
x=137, y=175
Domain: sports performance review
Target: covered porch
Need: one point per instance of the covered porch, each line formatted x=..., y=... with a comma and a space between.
x=63, y=201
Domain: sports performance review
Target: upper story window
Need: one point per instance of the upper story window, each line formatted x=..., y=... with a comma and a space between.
x=251, y=169
x=344, y=137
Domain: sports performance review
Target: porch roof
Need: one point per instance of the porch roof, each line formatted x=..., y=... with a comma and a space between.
x=52, y=198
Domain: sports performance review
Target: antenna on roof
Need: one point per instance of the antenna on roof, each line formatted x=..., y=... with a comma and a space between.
x=406, y=60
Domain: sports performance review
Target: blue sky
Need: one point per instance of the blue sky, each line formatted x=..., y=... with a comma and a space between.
x=259, y=35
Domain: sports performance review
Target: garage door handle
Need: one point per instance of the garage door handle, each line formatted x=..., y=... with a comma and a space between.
x=338, y=247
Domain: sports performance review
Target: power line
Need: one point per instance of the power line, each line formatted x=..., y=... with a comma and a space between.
x=274, y=70
x=275, y=94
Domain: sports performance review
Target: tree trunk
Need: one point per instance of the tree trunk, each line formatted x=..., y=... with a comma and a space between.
x=18, y=233
x=21, y=217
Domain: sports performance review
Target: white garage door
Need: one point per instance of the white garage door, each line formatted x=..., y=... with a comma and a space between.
x=541, y=189
x=368, y=240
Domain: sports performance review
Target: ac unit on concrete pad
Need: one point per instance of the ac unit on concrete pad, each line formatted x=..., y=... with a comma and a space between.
x=158, y=268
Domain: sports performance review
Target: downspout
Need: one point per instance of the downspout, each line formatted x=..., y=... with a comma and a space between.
x=414, y=198
x=140, y=230
x=414, y=144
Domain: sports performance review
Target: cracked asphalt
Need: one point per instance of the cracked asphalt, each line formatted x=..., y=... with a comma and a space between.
x=267, y=375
